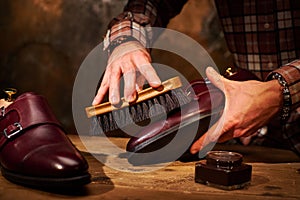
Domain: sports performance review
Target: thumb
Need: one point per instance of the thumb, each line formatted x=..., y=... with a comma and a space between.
x=215, y=78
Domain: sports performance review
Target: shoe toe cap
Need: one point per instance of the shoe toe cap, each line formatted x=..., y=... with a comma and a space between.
x=56, y=160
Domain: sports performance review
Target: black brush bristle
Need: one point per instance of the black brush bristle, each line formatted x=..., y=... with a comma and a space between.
x=139, y=117
x=140, y=112
x=145, y=111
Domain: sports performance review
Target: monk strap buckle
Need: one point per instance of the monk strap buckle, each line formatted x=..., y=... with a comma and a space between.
x=13, y=130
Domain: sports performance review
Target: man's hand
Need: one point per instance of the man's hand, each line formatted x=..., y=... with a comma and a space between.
x=249, y=106
x=132, y=61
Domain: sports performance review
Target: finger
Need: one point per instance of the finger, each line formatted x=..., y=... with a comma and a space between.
x=246, y=140
x=198, y=145
x=215, y=78
x=114, y=85
x=103, y=88
x=140, y=82
x=228, y=135
x=147, y=70
x=150, y=75
x=247, y=137
x=4, y=103
x=129, y=81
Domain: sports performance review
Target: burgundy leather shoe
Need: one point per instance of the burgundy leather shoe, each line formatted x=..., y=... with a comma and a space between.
x=193, y=120
x=34, y=149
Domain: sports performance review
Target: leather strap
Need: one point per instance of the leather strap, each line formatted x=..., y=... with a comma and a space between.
x=27, y=111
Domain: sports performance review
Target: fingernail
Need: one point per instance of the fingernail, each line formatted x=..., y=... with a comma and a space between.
x=94, y=102
x=193, y=151
x=156, y=83
x=211, y=70
x=114, y=100
x=214, y=74
x=130, y=98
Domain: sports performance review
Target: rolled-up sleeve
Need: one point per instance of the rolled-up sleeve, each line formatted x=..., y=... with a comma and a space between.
x=139, y=16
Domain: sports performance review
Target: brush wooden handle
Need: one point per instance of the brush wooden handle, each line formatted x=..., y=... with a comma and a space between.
x=143, y=95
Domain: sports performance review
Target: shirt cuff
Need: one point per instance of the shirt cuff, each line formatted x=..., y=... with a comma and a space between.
x=128, y=28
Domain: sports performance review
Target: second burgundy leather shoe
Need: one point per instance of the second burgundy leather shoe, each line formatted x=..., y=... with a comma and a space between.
x=192, y=120
x=34, y=149
x=151, y=144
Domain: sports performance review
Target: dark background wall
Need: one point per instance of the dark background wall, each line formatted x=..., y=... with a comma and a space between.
x=43, y=42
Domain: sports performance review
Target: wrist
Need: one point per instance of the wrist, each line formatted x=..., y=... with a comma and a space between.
x=124, y=31
x=126, y=48
x=118, y=41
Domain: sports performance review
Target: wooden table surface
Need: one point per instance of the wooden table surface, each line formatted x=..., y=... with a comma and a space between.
x=275, y=175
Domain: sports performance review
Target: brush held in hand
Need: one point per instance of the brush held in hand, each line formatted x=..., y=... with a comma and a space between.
x=109, y=117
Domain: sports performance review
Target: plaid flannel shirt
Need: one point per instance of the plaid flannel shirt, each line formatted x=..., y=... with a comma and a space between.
x=261, y=35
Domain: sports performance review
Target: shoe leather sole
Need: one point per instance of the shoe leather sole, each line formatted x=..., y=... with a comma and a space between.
x=47, y=182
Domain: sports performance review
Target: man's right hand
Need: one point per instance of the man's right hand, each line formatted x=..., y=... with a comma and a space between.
x=132, y=61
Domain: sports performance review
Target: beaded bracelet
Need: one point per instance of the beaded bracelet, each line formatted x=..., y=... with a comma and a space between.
x=120, y=40
x=287, y=101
